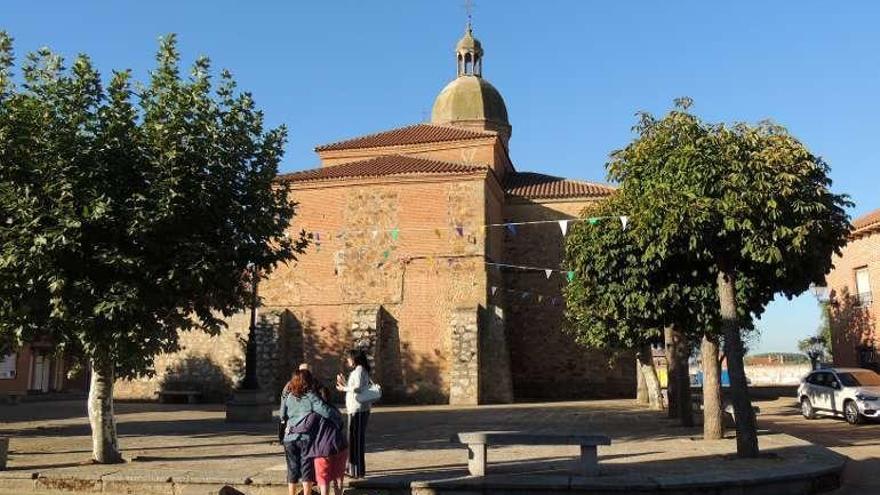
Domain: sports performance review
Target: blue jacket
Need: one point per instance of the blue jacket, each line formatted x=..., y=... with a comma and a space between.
x=297, y=408
x=326, y=435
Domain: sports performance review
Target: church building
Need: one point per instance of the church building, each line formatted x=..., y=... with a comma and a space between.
x=429, y=249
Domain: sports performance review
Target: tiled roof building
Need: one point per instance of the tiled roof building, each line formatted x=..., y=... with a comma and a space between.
x=403, y=224
x=854, y=285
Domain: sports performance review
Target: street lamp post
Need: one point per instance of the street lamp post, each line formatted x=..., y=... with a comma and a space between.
x=249, y=404
x=250, y=381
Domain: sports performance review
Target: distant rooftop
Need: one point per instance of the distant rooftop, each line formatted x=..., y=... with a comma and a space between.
x=532, y=185
x=386, y=165
x=413, y=134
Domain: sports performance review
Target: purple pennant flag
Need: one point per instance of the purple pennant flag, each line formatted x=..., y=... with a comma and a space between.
x=525, y=295
x=511, y=228
x=459, y=230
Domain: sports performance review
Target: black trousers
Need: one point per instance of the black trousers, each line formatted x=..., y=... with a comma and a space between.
x=357, y=445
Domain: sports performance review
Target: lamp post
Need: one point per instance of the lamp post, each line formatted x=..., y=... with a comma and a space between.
x=250, y=381
x=249, y=404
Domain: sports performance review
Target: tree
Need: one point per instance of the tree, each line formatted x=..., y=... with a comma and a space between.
x=130, y=216
x=747, y=205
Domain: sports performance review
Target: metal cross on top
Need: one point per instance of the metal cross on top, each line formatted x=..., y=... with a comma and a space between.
x=469, y=9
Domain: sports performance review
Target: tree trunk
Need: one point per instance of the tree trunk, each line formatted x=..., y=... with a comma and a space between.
x=641, y=387
x=746, y=426
x=646, y=363
x=681, y=354
x=713, y=429
x=105, y=445
x=672, y=372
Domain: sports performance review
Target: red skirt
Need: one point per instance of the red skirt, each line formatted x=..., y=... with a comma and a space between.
x=330, y=468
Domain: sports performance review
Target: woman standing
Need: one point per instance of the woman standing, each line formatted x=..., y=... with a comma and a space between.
x=298, y=400
x=358, y=412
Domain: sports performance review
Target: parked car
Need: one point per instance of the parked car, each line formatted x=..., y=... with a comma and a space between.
x=853, y=393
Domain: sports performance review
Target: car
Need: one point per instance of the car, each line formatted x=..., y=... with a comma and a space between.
x=853, y=393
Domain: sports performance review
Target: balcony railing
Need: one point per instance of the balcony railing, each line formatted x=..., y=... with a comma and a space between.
x=864, y=299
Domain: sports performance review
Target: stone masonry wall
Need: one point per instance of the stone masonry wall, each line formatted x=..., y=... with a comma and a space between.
x=465, y=387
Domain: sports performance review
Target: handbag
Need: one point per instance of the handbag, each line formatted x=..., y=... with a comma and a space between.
x=282, y=425
x=372, y=394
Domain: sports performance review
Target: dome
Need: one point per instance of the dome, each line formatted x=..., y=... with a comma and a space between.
x=471, y=101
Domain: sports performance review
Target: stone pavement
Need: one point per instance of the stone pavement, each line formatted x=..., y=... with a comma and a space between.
x=179, y=449
x=861, y=444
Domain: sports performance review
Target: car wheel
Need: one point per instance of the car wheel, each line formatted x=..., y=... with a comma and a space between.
x=851, y=413
x=807, y=409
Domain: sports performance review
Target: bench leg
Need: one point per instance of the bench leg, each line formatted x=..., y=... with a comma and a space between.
x=477, y=459
x=589, y=462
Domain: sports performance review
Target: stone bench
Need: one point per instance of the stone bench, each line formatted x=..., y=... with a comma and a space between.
x=477, y=442
x=191, y=395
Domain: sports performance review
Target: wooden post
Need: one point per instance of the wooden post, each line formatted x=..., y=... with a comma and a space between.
x=477, y=459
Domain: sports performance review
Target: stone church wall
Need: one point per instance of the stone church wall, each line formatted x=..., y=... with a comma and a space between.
x=395, y=295
x=545, y=362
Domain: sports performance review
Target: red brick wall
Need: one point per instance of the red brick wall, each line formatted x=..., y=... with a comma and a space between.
x=853, y=324
x=545, y=362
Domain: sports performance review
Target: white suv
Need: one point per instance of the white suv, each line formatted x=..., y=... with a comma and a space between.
x=851, y=392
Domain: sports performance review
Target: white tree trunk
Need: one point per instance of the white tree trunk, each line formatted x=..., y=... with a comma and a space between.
x=646, y=364
x=105, y=444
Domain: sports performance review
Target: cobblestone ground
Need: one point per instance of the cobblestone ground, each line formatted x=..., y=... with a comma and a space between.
x=184, y=441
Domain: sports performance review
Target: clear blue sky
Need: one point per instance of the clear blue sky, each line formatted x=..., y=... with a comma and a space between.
x=573, y=73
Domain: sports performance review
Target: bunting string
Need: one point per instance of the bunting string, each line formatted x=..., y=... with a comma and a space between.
x=459, y=229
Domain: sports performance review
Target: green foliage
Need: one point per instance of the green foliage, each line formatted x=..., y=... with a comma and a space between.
x=129, y=214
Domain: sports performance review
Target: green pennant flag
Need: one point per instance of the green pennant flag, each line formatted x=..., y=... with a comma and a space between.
x=570, y=276
x=395, y=233
x=385, y=254
x=593, y=220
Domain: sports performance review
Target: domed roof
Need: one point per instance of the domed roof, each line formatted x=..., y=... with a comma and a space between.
x=469, y=43
x=471, y=100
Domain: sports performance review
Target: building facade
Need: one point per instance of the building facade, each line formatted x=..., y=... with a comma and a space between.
x=854, y=298
x=429, y=251
x=38, y=368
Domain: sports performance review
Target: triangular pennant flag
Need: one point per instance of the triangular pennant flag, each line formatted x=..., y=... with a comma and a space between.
x=563, y=226
x=540, y=298
x=593, y=220
x=459, y=230
x=570, y=276
x=395, y=233
x=374, y=233
x=623, y=221
x=438, y=233
x=494, y=290
x=525, y=295
x=512, y=228
x=555, y=301
x=385, y=254
x=548, y=272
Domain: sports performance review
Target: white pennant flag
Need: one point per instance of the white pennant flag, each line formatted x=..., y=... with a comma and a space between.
x=623, y=221
x=374, y=233
x=494, y=290
x=548, y=273
x=563, y=225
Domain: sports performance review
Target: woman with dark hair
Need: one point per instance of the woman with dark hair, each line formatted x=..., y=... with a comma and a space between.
x=358, y=411
x=298, y=401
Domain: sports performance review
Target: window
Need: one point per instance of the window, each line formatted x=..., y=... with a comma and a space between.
x=863, y=286
x=7, y=367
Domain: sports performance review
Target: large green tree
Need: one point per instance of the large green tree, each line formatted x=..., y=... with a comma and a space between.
x=741, y=203
x=128, y=215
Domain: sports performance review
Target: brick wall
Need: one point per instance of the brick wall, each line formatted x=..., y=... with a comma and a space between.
x=546, y=363
x=854, y=324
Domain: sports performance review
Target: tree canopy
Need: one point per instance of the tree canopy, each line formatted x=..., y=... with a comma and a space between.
x=132, y=212
x=747, y=207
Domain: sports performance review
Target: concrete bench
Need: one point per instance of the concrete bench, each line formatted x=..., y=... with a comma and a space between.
x=477, y=442
x=191, y=395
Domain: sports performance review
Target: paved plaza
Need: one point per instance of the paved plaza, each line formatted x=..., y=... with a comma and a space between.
x=193, y=444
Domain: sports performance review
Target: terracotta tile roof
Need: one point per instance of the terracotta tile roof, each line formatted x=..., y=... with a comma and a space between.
x=413, y=134
x=866, y=221
x=381, y=166
x=539, y=186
